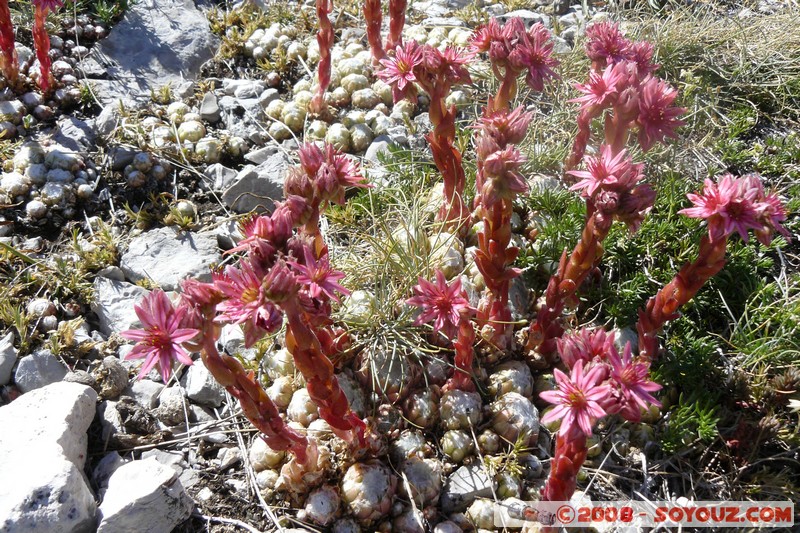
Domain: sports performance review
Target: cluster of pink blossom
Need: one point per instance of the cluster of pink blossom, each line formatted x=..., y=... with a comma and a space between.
x=512, y=51
x=435, y=72
x=282, y=274
x=731, y=205
x=41, y=40
x=624, y=92
x=600, y=382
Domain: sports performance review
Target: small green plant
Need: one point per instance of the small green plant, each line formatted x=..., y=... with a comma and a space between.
x=694, y=418
x=15, y=316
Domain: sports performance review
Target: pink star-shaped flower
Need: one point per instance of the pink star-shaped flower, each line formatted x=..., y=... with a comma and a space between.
x=729, y=206
x=246, y=303
x=609, y=170
x=632, y=378
x=577, y=399
x=440, y=302
x=318, y=276
x=159, y=341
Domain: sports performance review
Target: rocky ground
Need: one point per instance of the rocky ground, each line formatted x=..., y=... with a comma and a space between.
x=132, y=176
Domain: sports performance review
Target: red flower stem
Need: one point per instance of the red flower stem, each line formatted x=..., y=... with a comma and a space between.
x=616, y=133
x=373, y=17
x=325, y=39
x=581, y=141
x=465, y=339
x=493, y=259
x=256, y=405
x=8, y=54
x=317, y=369
x=505, y=93
x=570, y=455
x=564, y=285
x=664, y=306
x=41, y=42
x=397, y=20
x=454, y=212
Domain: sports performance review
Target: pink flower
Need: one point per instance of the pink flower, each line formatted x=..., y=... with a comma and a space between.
x=771, y=214
x=440, y=302
x=329, y=172
x=728, y=206
x=246, y=302
x=484, y=36
x=536, y=56
x=658, y=118
x=642, y=55
x=585, y=345
x=505, y=127
x=605, y=44
x=398, y=71
x=159, y=341
x=577, y=399
x=503, y=179
x=318, y=276
x=515, y=49
x=601, y=90
x=336, y=173
x=609, y=171
x=632, y=378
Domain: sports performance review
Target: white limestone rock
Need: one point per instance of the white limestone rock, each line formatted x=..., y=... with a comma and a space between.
x=143, y=496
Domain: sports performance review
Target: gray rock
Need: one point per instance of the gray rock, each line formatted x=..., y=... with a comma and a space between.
x=439, y=8
x=80, y=376
x=167, y=257
x=569, y=20
x=91, y=68
x=110, y=420
x=201, y=387
x=268, y=96
x=111, y=378
x=209, y=108
x=121, y=156
x=144, y=392
x=243, y=88
x=112, y=272
x=450, y=22
x=55, y=416
x=109, y=118
x=75, y=134
x=8, y=357
x=256, y=188
x=219, y=175
x=380, y=145
x=113, y=304
x=561, y=6
x=464, y=486
x=143, y=496
x=261, y=154
x=172, y=40
x=104, y=469
x=528, y=17
x=172, y=408
x=37, y=370
x=242, y=117
x=48, y=493
x=173, y=460
x=227, y=234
